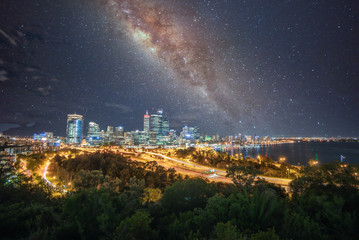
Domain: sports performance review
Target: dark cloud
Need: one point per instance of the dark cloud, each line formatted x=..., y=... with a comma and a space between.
x=6, y=126
x=121, y=107
x=3, y=76
x=10, y=39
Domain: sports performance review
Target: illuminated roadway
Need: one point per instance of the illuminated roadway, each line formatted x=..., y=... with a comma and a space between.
x=45, y=172
x=45, y=178
x=219, y=175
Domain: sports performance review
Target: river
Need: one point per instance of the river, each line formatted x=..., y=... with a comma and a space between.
x=300, y=153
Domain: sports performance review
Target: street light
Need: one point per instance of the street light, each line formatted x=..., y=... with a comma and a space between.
x=313, y=163
x=282, y=159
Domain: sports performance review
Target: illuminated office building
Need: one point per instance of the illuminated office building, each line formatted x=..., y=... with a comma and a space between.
x=128, y=138
x=152, y=138
x=140, y=137
x=94, y=135
x=156, y=122
x=190, y=133
x=118, y=132
x=147, y=122
x=109, y=133
x=196, y=133
x=165, y=126
x=94, y=129
x=74, y=128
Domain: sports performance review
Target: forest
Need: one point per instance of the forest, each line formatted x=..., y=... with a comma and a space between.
x=114, y=197
x=223, y=160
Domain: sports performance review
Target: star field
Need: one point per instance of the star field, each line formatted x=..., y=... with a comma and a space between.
x=288, y=68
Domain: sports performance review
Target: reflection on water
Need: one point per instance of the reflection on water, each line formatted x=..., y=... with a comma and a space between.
x=301, y=153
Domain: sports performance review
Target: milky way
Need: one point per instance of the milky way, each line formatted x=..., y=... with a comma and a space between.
x=266, y=67
x=161, y=31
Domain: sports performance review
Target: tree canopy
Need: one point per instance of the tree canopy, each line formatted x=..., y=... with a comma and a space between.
x=124, y=203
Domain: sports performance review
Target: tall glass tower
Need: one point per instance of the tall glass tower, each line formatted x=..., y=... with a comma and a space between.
x=74, y=128
x=94, y=134
x=165, y=126
x=156, y=122
x=94, y=129
x=146, y=122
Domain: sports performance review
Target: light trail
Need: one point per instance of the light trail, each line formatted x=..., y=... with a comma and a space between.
x=44, y=174
x=45, y=178
x=221, y=173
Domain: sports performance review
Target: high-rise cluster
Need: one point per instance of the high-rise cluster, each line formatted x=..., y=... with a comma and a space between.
x=157, y=123
x=156, y=132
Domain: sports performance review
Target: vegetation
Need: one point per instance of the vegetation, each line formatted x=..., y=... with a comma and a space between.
x=183, y=153
x=223, y=160
x=93, y=170
x=125, y=203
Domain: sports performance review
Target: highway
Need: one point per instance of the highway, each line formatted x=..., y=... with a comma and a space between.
x=190, y=168
x=44, y=176
x=221, y=174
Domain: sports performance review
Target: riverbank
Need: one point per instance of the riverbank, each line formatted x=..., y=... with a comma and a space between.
x=300, y=153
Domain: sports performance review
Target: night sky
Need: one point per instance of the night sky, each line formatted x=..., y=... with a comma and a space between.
x=278, y=68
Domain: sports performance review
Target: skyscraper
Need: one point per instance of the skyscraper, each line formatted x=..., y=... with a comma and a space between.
x=118, y=135
x=165, y=126
x=140, y=137
x=94, y=134
x=190, y=133
x=118, y=132
x=94, y=129
x=156, y=122
x=109, y=133
x=185, y=132
x=74, y=128
x=196, y=133
x=109, y=130
x=146, y=122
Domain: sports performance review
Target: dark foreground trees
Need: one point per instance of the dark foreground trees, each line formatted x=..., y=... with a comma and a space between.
x=93, y=170
x=186, y=209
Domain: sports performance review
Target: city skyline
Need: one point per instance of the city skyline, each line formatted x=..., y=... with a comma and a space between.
x=147, y=122
x=179, y=119
x=288, y=68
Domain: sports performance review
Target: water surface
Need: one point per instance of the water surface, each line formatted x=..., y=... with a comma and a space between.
x=300, y=153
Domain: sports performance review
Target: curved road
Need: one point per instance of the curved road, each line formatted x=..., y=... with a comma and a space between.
x=45, y=178
x=221, y=173
x=197, y=170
